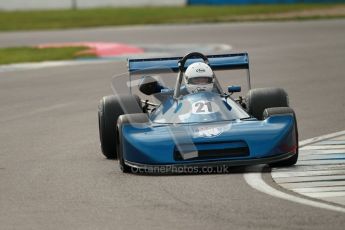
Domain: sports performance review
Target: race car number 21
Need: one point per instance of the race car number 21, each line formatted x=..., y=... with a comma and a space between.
x=202, y=107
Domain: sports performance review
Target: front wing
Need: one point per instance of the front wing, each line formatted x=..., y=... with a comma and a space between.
x=221, y=143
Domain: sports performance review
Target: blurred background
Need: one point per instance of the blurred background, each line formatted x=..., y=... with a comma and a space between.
x=64, y=4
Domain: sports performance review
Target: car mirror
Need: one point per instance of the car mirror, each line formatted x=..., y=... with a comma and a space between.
x=234, y=89
x=149, y=85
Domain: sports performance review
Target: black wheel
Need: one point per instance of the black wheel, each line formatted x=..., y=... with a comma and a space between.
x=258, y=100
x=126, y=119
x=109, y=109
x=284, y=110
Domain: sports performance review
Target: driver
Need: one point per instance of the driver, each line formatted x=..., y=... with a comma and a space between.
x=199, y=77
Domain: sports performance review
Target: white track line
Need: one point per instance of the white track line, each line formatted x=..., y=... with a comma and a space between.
x=320, y=138
x=321, y=147
x=323, y=178
x=324, y=194
x=309, y=173
x=320, y=189
x=48, y=64
x=255, y=180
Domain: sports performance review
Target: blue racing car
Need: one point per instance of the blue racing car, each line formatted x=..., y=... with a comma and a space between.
x=194, y=123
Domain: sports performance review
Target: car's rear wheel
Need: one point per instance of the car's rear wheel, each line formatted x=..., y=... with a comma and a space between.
x=123, y=120
x=285, y=110
x=258, y=100
x=109, y=109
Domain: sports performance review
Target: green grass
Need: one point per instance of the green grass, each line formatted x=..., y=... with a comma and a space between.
x=31, y=54
x=57, y=19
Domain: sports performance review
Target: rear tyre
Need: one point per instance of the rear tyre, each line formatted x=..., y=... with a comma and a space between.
x=122, y=120
x=284, y=110
x=109, y=109
x=258, y=100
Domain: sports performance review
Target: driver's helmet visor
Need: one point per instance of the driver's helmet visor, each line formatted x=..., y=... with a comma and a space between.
x=200, y=80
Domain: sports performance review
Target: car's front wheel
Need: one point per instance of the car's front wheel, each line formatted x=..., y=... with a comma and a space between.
x=109, y=109
x=257, y=100
x=285, y=110
x=136, y=118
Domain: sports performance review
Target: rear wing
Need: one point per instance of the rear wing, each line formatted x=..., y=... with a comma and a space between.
x=216, y=62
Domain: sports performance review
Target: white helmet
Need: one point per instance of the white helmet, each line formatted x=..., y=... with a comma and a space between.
x=199, y=77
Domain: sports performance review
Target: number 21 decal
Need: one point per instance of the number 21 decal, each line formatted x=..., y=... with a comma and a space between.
x=202, y=107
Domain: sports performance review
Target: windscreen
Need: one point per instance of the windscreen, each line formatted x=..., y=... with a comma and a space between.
x=197, y=108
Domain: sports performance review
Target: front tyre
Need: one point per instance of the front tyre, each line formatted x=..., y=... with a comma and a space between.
x=124, y=120
x=119, y=149
x=258, y=100
x=109, y=109
x=284, y=110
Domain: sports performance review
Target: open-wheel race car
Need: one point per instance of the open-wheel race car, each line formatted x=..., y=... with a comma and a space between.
x=194, y=122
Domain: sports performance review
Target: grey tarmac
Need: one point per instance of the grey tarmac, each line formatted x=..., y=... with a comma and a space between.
x=52, y=172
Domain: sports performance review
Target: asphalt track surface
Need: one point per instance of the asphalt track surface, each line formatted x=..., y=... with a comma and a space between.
x=52, y=172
